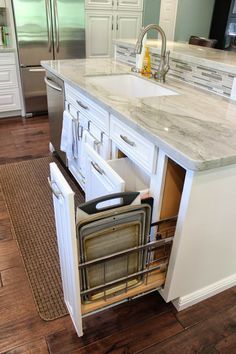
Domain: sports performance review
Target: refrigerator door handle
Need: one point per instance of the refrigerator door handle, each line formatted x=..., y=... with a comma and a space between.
x=49, y=27
x=56, y=25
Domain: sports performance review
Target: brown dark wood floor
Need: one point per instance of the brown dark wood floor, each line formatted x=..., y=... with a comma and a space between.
x=145, y=325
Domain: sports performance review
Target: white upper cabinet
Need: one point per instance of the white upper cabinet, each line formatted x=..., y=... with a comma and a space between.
x=99, y=4
x=168, y=13
x=102, y=27
x=99, y=29
x=128, y=25
x=2, y=3
x=135, y=5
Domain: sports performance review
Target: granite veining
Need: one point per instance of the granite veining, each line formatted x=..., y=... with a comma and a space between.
x=195, y=128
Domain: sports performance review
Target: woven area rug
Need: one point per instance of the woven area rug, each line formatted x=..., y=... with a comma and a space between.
x=29, y=202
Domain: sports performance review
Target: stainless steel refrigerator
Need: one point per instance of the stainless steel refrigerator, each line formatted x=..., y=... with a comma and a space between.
x=46, y=30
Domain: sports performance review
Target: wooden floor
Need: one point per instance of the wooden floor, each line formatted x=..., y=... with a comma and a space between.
x=145, y=325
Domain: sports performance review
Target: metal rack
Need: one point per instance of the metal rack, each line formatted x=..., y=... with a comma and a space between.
x=154, y=258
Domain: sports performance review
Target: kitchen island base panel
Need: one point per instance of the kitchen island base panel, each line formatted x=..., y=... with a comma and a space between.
x=203, y=252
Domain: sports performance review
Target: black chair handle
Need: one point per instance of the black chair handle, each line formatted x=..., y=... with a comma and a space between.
x=91, y=207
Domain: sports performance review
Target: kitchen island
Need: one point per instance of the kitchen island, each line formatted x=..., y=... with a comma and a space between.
x=191, y=172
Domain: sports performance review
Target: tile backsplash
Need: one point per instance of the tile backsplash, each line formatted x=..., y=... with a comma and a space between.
x=216, y=81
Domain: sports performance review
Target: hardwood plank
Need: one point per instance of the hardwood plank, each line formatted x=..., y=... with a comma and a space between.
x=29, y=138
x=5, y=229
x=204, y=309
x=37, y=347
x=138, y=337
x=105, y=323
x=14, y=275
x=227, y=345
x=9, y=254
x=200, y=338
x=19, y=319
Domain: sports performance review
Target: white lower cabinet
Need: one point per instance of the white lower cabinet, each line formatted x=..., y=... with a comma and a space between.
x=9, y=99
x=9, y=90
x=102, y=27
x=112, y=176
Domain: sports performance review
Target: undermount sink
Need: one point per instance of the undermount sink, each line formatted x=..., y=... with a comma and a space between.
x=128, y=85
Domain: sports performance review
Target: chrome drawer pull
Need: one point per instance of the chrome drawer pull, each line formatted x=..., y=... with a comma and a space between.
x=83, y=177
x=81, y=104
x=97, y=168
x=127, y=141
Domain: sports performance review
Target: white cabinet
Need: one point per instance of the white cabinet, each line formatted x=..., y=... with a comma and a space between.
x=9, y=90
x=2, y=3
x=127, y=25
x=92, y=124
x=168, y=13
x=101, y=179
x=102, y=27
x=135, y=5
x=126, y=5
x=99, y=32
x=133, y=145
x=99, y=4
x=107, y=20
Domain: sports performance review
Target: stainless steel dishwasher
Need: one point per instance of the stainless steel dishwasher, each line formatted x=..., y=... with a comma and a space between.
x=55, y=97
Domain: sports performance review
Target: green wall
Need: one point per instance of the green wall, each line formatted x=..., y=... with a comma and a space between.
x=193, y=18
x=151, y=14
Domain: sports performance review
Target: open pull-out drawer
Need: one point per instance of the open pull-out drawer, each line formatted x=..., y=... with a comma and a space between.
x=112, y=176
x=150, y=271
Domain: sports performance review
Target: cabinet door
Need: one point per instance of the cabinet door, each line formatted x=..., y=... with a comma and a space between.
x=101, y=179
x=128, y=25
x=99, y=30
x=2, y=3
x=63, y=201
x=167, y=20
x=99, y=4
x=76, y=165
x=8, y=76
x=136, y=5
x=9, y=99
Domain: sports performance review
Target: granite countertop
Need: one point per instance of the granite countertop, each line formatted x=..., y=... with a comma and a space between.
x=6, y=50
x=215, y=58
x=195, y=128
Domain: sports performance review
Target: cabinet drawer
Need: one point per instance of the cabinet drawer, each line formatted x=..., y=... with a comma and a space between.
x=9, y=100
x=94, y=112
x=8, y=76
x=134, y=145
x=112, y=176
x=7, y=59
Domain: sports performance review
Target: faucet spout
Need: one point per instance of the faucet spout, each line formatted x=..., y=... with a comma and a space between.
x=164, y=60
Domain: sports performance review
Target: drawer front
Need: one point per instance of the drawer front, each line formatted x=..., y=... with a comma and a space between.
x=7, y=59
x=100, y=178
x=8, y=76
x=137, y=148
x=9, y=100
x=94, y=112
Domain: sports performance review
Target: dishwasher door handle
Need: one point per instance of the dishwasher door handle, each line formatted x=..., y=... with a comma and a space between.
x=52, y=84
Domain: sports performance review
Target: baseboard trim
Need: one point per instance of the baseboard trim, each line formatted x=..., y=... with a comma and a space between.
x=185, y=301
x=10, y=114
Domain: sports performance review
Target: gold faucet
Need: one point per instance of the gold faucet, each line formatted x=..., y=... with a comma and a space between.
x=164, y=65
